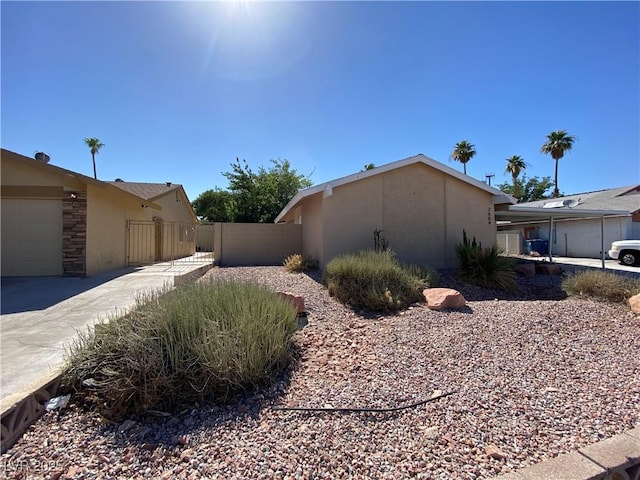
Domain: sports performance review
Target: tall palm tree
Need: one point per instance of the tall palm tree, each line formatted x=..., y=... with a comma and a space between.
x=463, y=152
x=557, y=144
x=95, y=145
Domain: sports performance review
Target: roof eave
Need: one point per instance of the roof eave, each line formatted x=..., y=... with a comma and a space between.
x=516, y=211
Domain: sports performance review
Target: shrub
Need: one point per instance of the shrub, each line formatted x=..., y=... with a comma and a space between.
x=376, y=281
x=200, y=341
x=603, y=286
x=299, y=263
x=486, y=267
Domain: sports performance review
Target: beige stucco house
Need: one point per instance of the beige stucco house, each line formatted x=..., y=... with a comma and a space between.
x=59, y=222
x=422, y=207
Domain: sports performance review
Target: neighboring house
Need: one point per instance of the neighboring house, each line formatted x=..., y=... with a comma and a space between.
x=171, y=234
x=421, y=206
x=581, y=236
x=59, y=222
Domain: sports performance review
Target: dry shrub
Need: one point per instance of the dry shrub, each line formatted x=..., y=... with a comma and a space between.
x=603, y=286
x=376, y=281
x=299, y=263
x=197, y=342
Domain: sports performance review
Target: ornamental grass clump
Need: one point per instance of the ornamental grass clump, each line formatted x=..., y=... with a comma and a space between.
x=601, y=286
x=376, y=281
x=486, y=267
x=199, y=342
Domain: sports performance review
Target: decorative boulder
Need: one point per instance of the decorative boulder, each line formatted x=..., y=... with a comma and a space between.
x=296, y=300
x=548, y=269
x=443, y=298
x=634, y=303
x=525, y=269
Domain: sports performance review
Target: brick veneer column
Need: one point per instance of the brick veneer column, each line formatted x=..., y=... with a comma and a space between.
x=74, y=233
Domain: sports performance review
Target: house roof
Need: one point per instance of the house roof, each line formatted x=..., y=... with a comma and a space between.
x=18, y=157
x=148, y=191
x=619, y=199
x=63, y=171
x=499, y=197
x=153, y=191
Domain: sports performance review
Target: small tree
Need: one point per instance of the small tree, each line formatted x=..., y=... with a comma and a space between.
x=252, y=196
x=528, y=189
x=215, y=206
x=95, y=145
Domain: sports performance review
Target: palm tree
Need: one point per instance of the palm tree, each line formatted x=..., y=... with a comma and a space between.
x=515, y=166
x=463, y=152
x=557, y=143
x=95, y=145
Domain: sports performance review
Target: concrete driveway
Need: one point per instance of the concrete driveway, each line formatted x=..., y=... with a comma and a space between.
x=41, y=315
x=572, y=264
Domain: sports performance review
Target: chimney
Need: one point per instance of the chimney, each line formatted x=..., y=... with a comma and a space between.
x=168, y=184
x=42, y=157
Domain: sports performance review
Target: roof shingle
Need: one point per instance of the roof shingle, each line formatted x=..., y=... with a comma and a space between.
x=148, y=191
x=621, y=198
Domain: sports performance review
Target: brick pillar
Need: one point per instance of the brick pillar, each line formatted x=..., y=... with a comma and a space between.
x=74, y=233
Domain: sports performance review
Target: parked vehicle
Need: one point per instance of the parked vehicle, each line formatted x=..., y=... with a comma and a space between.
x=626, y=251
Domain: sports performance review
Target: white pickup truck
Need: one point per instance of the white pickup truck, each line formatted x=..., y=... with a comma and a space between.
x=626, y=251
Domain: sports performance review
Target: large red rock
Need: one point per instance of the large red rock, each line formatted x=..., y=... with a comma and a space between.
x=525, y=269
x=296, y=300
x=634, y=303
x=548, y=269
x=494, y=452
x=443, y=298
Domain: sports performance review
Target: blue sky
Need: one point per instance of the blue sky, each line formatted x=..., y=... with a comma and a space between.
x=178, y=90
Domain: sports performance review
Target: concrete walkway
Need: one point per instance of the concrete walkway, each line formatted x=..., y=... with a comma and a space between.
x=42, y=315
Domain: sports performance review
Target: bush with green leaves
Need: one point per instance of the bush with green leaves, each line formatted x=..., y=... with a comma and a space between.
x=198, y=342
x=376, y=281
x=602, y=286
x=299, y=263
x=486, y=267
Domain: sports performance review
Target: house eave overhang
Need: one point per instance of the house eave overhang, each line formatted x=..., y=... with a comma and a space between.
x=535, y=214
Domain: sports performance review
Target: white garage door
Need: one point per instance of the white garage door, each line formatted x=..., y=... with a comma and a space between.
x=31, y=237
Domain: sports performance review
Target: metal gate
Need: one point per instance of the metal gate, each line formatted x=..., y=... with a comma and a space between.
x=154, y=241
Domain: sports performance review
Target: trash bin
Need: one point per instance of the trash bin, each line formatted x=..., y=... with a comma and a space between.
x=537, y=245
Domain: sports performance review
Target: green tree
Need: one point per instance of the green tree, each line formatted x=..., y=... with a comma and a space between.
x=95, y=145
x=557, y=144
x=463, y=152
x=528, y=189
x=215, y=206
x=515, y=165
x=261, y=196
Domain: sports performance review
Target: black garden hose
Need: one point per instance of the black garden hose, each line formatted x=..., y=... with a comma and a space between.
x=360, y=410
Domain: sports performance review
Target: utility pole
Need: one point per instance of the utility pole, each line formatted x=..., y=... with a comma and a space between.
x=489, y=176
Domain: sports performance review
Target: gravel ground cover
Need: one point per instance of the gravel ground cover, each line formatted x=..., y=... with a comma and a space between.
x=534, y=375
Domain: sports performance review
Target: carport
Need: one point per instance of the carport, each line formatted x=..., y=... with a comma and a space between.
x=512, y=214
